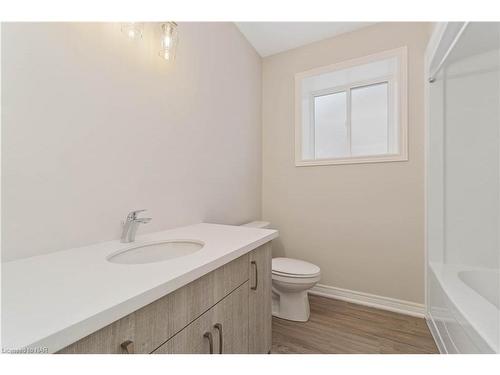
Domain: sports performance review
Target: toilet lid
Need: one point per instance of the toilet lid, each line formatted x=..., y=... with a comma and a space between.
x=289, y=266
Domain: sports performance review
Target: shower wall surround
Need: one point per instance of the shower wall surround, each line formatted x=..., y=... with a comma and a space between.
x=463, y=187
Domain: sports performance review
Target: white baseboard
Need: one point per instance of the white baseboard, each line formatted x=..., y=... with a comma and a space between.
x=372, y=300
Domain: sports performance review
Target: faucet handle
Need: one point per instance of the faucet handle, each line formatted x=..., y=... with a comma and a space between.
x=133, y=215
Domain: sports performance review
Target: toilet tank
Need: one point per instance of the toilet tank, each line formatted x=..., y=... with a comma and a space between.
x=258, y=224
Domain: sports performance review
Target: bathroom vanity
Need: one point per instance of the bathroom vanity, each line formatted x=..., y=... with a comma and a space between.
x=217, y=300
x=226, y=311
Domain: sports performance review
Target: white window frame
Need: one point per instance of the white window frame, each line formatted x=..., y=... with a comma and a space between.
x=398, y=81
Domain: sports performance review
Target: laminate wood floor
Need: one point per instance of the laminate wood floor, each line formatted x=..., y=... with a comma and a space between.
x=338, y=327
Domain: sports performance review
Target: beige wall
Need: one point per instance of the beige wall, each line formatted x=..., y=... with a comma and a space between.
x=94, y=125
x=363, y=224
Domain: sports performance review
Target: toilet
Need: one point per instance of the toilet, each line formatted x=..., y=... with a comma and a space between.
x=291, y=280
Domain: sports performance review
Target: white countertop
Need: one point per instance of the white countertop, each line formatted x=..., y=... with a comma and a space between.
x=53, y=300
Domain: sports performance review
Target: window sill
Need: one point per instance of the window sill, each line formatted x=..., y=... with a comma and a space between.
x=352, y=160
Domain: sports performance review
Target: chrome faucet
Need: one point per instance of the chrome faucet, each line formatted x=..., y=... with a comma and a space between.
x=130, y=225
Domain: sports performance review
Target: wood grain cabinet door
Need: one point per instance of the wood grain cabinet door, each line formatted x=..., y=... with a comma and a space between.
x=196, y=338
x=230, y=322
x=259, y=306
x=162, y=319
x=222, y=329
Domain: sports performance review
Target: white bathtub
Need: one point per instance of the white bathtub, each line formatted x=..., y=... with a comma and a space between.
x=464, y=314
x=484, y=282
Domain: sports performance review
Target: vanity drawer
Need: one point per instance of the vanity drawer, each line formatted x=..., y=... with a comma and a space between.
x=107, y=340
x=149, y=327
x=223, y=329
x=160, y=320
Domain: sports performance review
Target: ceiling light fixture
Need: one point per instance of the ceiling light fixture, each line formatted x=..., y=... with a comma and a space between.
x=133, y=30
x=169, y=39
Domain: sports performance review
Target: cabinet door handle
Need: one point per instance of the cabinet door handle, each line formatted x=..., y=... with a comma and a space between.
x=218, y=327
x=128, y=347
x=208, y=335
x=256, y=275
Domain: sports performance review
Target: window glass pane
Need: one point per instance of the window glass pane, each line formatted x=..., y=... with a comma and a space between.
x=330, y=131
x=369, y=120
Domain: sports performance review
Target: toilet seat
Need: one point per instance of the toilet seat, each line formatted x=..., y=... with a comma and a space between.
x=291, y=281
x=304, y=280
x=294, y=268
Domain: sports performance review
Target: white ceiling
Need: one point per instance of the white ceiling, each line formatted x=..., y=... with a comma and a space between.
x=269, y=38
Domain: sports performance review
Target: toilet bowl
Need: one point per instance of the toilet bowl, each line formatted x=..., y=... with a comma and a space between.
x=291, y=280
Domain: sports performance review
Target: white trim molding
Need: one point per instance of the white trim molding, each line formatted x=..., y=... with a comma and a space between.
x=372, y=300
x=397, y=81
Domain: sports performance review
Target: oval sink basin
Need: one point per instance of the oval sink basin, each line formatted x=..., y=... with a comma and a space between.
x=156, y=252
